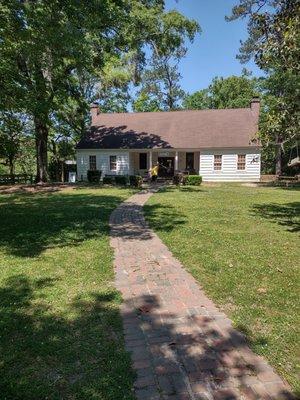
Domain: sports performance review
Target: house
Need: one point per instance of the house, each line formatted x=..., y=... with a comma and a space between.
x=220, y=145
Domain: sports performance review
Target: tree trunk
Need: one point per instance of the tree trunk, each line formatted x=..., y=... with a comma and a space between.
x=41, y=141
x=11, y=167
x=62, y=172
x=56, y=163
x=278, y=165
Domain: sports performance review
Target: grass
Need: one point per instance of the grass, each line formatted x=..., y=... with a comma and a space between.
x=242, y=245
x=60, y=330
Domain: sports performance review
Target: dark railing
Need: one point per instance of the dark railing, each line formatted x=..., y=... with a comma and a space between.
x=7, y=179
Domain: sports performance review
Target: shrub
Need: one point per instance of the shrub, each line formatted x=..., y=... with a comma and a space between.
x=176, y=179
x=121, y=180
x=184, y=179
x=194, y=180
x=107, y=180
x=179, y=179
x=94, y=176
x=135, y=181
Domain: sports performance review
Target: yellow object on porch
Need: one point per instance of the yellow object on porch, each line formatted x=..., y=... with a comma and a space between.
x=154, y=170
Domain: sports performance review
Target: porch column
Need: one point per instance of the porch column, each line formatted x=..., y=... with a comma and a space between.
x=176, y=161
x=150, y=159
x=199, y=162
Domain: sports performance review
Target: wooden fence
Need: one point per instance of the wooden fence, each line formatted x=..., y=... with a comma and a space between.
x=7, y=179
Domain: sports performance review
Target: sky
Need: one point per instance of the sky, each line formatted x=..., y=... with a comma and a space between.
x=213, y=52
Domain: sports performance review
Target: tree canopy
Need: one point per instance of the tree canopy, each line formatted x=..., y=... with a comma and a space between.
x=274, y=43
x=160, y=88
x=49, y=50
x=15, y=140
x=58, y=56
x=231, y=92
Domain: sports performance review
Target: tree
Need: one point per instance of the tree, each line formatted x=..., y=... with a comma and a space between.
x=146, y=102
x=276, y=130
x=273, y=42
x=43, y=45
x=11, y=130
x=73, y=117
x=114, y=100
x=47, y=47
x=160, y=82
x=112, y=91
x=26, y=161
x=231, y=92
x=197, y=101
x=62, y=150
x=160, y=86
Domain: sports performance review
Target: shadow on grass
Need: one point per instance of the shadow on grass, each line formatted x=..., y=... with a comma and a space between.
x=98, y=186
x=290, y=188
x=191, y=189
x=128, y=220
x=163, y=218
x=277, y=186
x=132, y=226
x=258, y=342
x=194, y=353
x=44, y=355
x=31, y=223
x=181, y=188
x=287, y=215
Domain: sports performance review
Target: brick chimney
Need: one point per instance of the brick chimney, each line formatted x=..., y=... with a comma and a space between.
x=255, y=105
x=94, y=112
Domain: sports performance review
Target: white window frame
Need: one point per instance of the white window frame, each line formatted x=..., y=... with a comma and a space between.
x=217, y=163
x=239, y=162
x=114, y=162
x=94, y=157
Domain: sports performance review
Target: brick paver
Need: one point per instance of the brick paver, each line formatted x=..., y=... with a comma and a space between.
x=182, y=346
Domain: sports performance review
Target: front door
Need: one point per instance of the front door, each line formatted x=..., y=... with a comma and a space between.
x=166, y=166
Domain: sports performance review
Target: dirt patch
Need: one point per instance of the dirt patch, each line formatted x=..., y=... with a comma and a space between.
x=211, y=184
x=15, y=189
x=250, y=184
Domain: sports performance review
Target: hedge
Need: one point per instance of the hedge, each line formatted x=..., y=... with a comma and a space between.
x=182, y=179
x=121, y=180
x=94, y=176
x=107, y=180
x=179, y=179
x=193, y=180
x=135, y=181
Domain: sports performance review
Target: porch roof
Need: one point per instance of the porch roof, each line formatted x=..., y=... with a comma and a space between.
x=176, y=129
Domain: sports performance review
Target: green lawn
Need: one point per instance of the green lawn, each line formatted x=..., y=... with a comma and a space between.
x=60, y=329
x=242, y=244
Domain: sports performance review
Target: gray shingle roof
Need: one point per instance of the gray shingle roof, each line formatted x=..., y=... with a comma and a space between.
x=175, y=129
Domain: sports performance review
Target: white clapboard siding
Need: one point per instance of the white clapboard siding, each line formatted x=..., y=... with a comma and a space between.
x=229, y=171
x=82, y=161
x=102, y=162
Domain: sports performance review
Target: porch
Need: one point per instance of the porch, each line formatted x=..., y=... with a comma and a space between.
x=170, y=161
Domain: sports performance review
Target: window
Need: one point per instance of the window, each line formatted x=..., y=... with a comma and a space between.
x=189, y=161
x=113, y=163
x=241, y=161
x=217, y=162
x=93, y=164
x=143, y=160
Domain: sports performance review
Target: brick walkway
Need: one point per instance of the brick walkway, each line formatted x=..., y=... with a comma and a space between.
x=182, y=346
